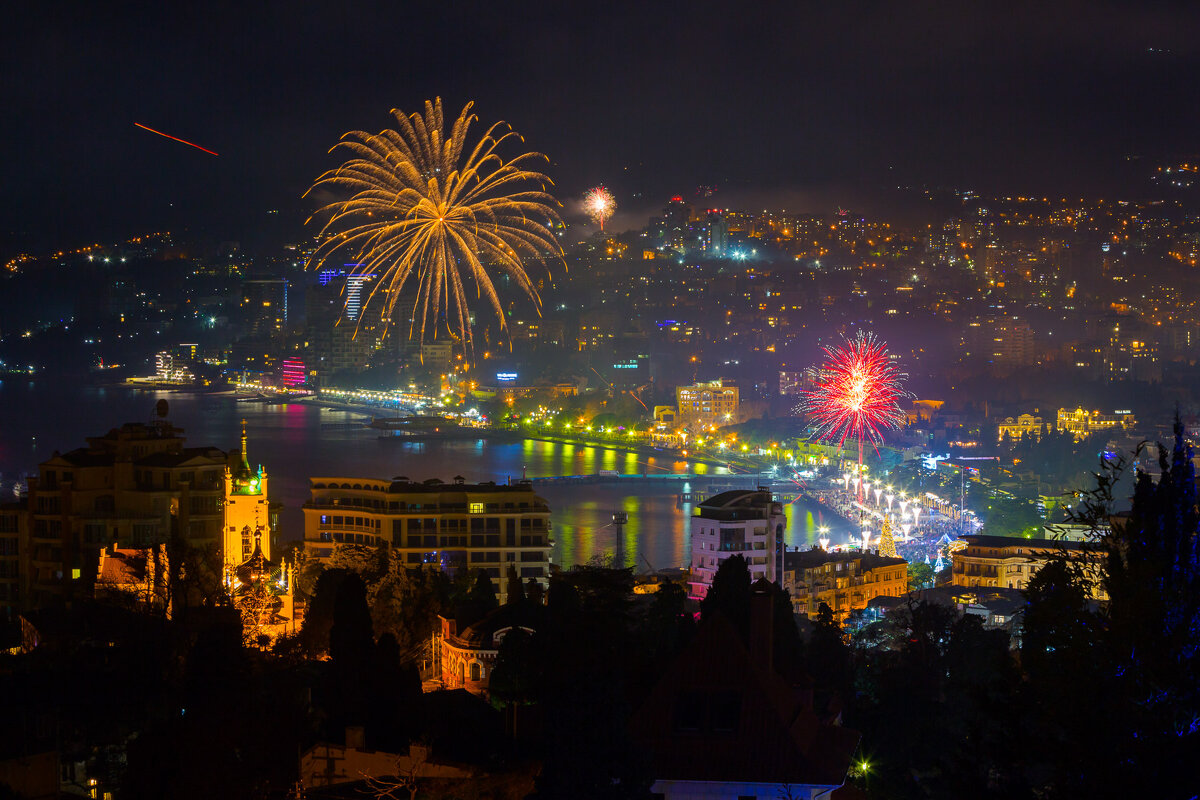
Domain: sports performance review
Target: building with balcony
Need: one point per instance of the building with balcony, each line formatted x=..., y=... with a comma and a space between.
x=710, y=403
x=450, y=527
x=740, y=522
x=845, y=582
x=1082, y=424
x=1011, y=562
x=133, y=487
x=1016, y=428
x=136, y=487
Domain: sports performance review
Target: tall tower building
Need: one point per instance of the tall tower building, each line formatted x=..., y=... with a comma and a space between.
x=741, y=522
x=247, y=510
x=265, y=304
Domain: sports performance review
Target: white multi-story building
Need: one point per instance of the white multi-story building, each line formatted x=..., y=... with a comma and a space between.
x=741, y=522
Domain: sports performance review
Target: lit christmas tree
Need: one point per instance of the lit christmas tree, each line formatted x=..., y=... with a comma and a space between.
x=887, y=544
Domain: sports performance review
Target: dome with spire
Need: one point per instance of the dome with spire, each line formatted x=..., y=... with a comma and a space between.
x=245, y=479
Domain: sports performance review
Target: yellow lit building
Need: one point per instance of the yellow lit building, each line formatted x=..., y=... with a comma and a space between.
x=449, y=526
x=1081, y=423
x=134, y=488
x=710, y=402
x=1010, y=562
x=131, y=487
x=247, y=511
x=924, y=411
x=843, y=581
x=1014, y=429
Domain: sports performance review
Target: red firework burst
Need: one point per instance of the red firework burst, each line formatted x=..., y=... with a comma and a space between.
x=857, y=392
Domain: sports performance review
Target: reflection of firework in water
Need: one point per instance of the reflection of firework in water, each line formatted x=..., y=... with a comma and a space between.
x=599, y=204
x=857, y=393
x=425, y=204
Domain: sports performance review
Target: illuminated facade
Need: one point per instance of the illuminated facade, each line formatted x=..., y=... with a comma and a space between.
x=247, y=511
x=449, y=526
x=1011, y=562
x=843, y=581
x=1016, y=428
x=468, y=657
x=293, y=372
x=1081, y=423
x=129, y=490
x=708, y=403
x=741, y=522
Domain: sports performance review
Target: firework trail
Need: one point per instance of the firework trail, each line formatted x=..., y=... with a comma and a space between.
x=426, y=204
x=175, y=138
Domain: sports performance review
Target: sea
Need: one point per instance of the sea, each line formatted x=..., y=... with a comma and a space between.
x=297, y=441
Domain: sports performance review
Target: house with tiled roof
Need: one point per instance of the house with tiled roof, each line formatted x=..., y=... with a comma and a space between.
x=138, y=575
x=469, y=656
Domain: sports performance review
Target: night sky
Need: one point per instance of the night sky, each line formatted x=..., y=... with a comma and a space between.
x=795, y=103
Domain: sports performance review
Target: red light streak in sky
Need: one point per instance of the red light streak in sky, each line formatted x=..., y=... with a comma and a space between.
x=176, y=138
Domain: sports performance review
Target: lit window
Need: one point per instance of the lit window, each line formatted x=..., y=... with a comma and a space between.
x=476, y=508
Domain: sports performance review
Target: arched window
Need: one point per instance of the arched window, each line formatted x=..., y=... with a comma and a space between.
x=475, y=671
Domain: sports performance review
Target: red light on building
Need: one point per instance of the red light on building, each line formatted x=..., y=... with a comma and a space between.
x=293, y=372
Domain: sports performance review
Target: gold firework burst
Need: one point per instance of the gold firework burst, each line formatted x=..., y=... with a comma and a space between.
x=425, y=205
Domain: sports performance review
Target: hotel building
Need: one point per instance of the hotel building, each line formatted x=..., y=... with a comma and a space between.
x=1011, y=562
x=450, y=526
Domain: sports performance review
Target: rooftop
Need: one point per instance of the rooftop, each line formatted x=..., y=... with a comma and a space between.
x=736, y=498
x=808, y=559
x=981, y=540
x=405, y=486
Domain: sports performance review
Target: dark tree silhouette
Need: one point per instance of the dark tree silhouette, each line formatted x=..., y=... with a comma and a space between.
x=516, y=590
x=730, y=593
x=478, y=602
x=318, y=618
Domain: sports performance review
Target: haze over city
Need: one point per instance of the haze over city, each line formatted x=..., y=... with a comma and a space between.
x=664, y=400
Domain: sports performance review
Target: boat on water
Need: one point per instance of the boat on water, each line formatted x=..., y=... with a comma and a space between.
x=418, y=427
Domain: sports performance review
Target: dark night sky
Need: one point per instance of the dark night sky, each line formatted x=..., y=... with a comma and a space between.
x=793, y=101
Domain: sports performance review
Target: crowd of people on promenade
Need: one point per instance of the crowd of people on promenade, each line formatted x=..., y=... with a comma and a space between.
x=921, y=530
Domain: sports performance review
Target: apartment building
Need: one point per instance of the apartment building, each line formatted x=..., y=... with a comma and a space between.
x=452, y=526
x=740, y=522
x=843, y=581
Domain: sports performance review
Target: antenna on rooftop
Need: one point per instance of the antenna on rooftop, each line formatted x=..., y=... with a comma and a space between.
x=159, y=421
